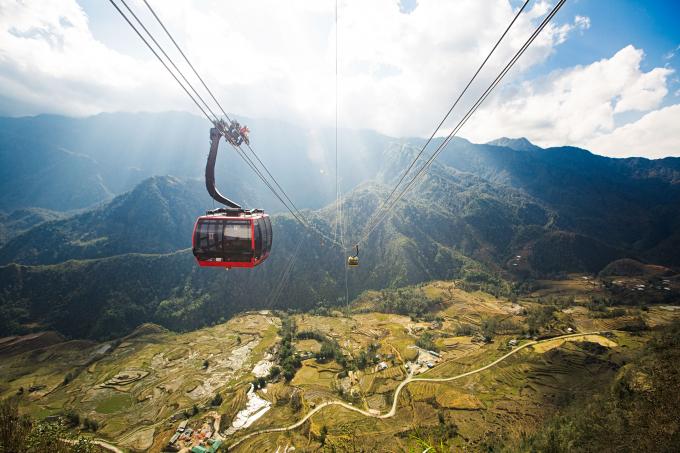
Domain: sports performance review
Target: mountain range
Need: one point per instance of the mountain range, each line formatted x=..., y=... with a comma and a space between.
x=109, y=245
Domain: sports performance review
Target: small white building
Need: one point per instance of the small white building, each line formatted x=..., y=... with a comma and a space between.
x=381, y=366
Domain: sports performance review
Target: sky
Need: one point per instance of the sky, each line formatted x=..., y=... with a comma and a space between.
x=602, y=76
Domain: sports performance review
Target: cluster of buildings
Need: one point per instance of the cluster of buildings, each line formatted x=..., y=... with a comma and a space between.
x=425, y=360
x=664, y=285
x=193, y=440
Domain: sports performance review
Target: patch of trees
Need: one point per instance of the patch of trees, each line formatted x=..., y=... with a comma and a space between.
x=492, y=325
x=296, y=401
x=69, y=377
x=475, y=279
x=216, y=400
x=329, y=350
x=311, y=335
x=322, y=435
x=406, y=301
x=367, y=357
x=465, y=330
x=72, y=419
x=188, y=413
x=637, y=324
x=435, y=438
x=601, y=308
x=426, y=341
x=558, y=301
x=90, y=425
x=539, y=317
x=286, y=357
x=21, y=433
x=259, y=383
x=274, y=373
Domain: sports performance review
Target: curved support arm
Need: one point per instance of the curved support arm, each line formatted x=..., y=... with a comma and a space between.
x=215, y=136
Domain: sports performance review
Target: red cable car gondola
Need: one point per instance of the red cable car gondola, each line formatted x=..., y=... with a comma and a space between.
x=232, y=236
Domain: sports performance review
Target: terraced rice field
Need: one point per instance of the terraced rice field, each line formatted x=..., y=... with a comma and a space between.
x=313, y=374
x=547, y=346
x=138, y=389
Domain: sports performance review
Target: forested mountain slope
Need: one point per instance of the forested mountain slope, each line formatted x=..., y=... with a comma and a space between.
x=482, y=212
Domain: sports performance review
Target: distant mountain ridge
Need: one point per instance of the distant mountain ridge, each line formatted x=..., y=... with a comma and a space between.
x=61, y=163
x=152, y=218
x=482, y=211
x=518, y=144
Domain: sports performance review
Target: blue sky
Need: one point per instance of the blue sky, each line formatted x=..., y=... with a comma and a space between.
x=602, y=76
x=650, y=25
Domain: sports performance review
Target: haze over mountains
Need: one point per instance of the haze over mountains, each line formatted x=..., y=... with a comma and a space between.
x=122, y=258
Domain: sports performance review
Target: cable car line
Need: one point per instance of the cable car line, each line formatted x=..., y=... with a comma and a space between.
x=170, y=60
x=160, y=59
x=455, y=103
x=167, y=32
x=238, y=149
x=467, y=116
x=160, y=22
x=299, y=217
x=384, y=209
x=294, y=211
x=337, y=185
x=285, y=272
x=462, y=122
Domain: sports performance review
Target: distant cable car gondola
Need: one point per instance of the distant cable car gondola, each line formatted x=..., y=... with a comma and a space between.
x=232, y=236
x=353, y=260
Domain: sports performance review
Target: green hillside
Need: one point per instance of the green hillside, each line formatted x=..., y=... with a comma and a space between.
x=483, y=214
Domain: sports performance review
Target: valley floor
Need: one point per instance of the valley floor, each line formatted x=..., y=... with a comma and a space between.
x=472, y=367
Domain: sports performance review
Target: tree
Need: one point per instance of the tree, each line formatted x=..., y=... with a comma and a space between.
x=69, y=377
x=465, y=330
x=322, y=435
x=274, y=372
x=72, y=419
x=489, y=328
x=426, y=341
x=83, y=445
x=296, y=401
x=90, y=424
x=13, y=427
x=217, y=400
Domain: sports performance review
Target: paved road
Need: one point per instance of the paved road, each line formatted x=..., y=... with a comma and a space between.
x=101, y=443
x=108, y=446
x=399, y=388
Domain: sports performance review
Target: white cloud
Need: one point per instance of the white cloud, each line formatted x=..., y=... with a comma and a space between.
x=582, y=22
x=671, y=54
x=654, y=135
x=49, y=62
x=398, y=72
x=573, y=106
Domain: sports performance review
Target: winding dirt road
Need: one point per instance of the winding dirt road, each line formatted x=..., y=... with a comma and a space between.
x=399, y=388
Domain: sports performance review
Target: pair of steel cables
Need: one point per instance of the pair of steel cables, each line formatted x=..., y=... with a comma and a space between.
x=385, y=208
x=270, y=181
